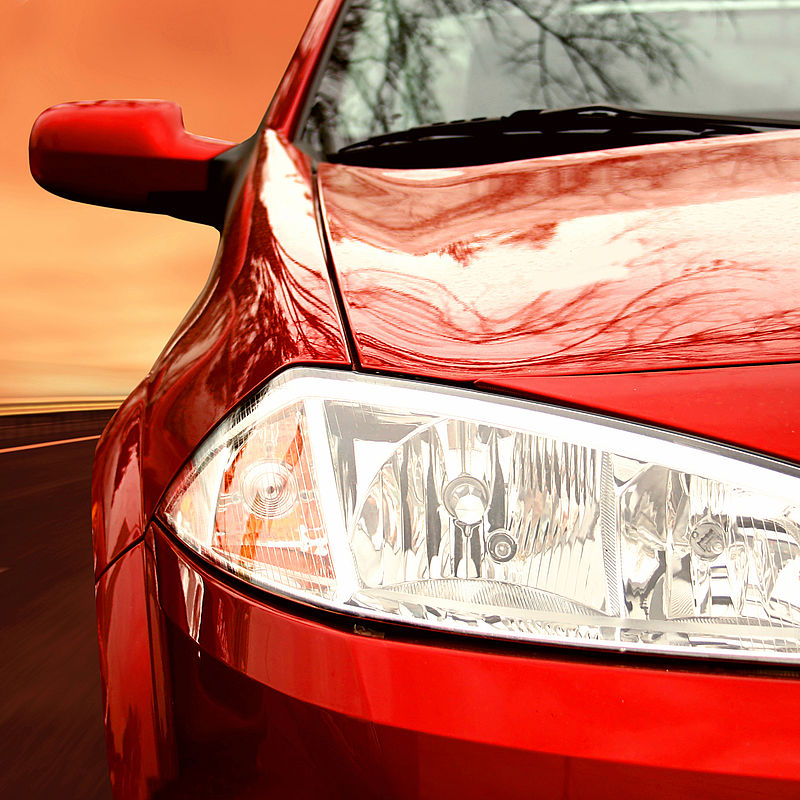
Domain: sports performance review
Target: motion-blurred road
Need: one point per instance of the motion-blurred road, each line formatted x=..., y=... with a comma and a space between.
x=51, y=730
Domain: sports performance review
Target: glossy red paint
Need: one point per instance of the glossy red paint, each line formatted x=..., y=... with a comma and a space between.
x=277, y=746
x=117, y=518
x=119, y=152
x=134, y=677
x=664, y=256
x=754, y=407
x=286, y=109
x=376, y=701
x=268, y=304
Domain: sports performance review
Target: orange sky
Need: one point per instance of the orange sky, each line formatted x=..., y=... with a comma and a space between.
x=88, y=296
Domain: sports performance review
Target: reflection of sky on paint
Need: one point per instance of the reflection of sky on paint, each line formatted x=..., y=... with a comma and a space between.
x=651, y=245
x=589, y=247
x=288, y=197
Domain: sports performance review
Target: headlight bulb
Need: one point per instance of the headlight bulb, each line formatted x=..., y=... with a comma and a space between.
x=466, y=499
x=501, y=546
x=707, y=538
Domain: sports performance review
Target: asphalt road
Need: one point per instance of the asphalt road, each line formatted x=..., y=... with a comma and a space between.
x=51, y=729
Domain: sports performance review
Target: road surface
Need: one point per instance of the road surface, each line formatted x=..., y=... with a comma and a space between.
x=51, y=730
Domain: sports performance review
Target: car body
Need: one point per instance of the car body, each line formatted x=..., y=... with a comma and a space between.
x=216, y=688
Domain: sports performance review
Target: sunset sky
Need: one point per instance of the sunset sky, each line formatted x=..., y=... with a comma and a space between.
x=88, y=296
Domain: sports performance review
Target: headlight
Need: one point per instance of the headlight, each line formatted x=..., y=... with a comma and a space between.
x=465, y=511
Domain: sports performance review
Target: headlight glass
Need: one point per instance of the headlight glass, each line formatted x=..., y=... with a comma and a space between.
x=469, y=512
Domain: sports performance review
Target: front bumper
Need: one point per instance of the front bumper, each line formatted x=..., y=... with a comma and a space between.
x=234, y=695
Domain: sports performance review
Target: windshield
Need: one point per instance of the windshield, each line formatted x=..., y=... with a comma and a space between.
x=398, y=64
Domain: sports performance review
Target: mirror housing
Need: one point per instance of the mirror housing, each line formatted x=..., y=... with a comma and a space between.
x=136, y=155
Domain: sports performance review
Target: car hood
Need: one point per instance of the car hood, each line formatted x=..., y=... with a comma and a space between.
x=656, y=257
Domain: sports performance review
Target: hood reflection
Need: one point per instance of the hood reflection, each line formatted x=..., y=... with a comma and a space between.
x=672, y=255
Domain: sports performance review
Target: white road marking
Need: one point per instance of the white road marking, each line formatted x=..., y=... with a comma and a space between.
x=47, y=444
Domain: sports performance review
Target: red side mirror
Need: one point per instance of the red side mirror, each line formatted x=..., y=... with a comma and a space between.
x=132, y=154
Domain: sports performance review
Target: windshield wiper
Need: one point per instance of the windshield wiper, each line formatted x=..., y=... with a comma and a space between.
x=592, y=119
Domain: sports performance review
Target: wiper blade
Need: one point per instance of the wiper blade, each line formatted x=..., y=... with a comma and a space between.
x=579, y=119
x=619, y=119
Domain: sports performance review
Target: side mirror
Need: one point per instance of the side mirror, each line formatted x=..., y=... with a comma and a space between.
x=134, y=154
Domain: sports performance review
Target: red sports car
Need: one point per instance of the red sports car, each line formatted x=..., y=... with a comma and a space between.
x=475, y=469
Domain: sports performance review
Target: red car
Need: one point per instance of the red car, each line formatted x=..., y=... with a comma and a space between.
x=475, y=469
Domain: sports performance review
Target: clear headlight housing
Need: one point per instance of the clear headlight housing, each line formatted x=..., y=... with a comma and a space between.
x=468, y=512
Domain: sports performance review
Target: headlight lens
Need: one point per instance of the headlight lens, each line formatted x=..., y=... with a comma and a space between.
x=468, y=512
